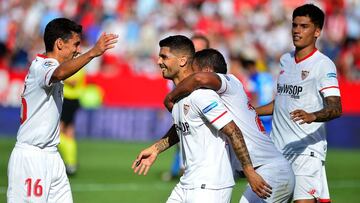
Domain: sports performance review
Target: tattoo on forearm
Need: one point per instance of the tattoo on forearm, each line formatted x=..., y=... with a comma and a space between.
x=238, y=144
x=332, y=109
x=168, y=140
x=162, y=144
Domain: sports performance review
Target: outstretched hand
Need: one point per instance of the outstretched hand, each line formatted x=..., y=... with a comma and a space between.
x=144, y=160
x=302, y=115
x=105, y=42
x=258, y=185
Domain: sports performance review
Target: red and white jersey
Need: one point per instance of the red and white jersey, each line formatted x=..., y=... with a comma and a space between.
x=260, y=146
x=302, y=85
x=41, y=105
x=205, y=152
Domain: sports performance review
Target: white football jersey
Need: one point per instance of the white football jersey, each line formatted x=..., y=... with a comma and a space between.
x=260, y=146
x=205, y=152
x=302, y=85
x=41, y=105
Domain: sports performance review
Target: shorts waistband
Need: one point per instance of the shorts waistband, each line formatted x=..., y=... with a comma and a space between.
x=36, y=148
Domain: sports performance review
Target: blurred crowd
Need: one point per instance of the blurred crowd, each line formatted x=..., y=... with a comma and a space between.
x=250, y=33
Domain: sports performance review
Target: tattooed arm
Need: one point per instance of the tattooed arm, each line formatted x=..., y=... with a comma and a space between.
x=332, y=109
x=257, y=183
x=147, y=157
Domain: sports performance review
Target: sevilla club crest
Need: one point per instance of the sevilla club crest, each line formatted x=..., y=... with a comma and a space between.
x=304, y=74
x=186, y=108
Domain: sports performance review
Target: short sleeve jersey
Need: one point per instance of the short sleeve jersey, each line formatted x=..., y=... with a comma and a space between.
x=260, y=146
x=198, y=119
x=302, y=85
x=41, y=105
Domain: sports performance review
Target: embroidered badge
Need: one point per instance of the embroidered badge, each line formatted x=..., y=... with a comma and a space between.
x=186, y=109
x=304, y=74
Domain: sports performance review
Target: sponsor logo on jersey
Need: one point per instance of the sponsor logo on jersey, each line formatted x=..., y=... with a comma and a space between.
x=183, y=128
x=292, y=90
x=211, y=106
x=186, y=108
x=304, y=74
x=331, y=75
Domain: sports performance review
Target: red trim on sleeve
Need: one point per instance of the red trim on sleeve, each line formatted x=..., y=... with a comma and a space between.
x=329, y=88
x=218, y=117
x=310, y=54
x=42, y=56
x=325, y=200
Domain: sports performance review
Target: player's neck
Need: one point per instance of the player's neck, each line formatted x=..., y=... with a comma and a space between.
x=303, y=53
x=54, y=55
x=182, y=75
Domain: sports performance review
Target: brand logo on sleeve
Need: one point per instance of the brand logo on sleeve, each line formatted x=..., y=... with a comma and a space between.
x=331, y=75
x=48, y=64
x=209, y=107
x=292, y=90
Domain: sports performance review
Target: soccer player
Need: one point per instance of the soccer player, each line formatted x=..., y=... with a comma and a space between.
x=267, y=160
x=177, y=169
x=36, y=172
x=198, y=118
x=307, y=96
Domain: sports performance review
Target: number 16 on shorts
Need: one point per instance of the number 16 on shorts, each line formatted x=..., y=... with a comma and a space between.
x=33, y=188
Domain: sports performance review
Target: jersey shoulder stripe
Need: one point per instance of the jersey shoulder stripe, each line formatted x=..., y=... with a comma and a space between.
x=217, y=118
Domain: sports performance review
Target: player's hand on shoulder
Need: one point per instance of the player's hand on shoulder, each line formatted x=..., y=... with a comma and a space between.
x=144, y=160
x=302, y=116
x=105, y=42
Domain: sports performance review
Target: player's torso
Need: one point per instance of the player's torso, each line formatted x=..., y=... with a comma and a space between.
x=41, y=107
x=204, y=149
x=298, y=88
x=261, y=148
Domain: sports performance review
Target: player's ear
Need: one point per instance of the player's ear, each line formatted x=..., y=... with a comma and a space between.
x=183, y=61
x=317, y=32
x=59, y=43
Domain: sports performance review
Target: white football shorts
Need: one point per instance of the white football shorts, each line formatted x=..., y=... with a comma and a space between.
x=37, y=175
x=199, y=195
x=310, y=178
x=279, y=175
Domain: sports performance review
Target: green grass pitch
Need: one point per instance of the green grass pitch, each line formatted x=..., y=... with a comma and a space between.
x=105, y=174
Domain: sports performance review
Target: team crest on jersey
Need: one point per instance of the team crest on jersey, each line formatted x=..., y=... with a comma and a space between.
x=304, y=74
x=186, y=108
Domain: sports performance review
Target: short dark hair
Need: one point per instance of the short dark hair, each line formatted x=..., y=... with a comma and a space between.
x=316, y=15
x=202, y=37
x=59, y=28
x=179, y=43
x=211, y=58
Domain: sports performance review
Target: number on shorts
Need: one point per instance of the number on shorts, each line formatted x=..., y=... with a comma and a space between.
x=38, y=190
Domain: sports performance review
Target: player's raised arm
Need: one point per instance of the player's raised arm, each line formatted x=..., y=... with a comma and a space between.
x=195, y=81
x=70, y=67
x=257, y=183
x=147, y=157
x=266, y=109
